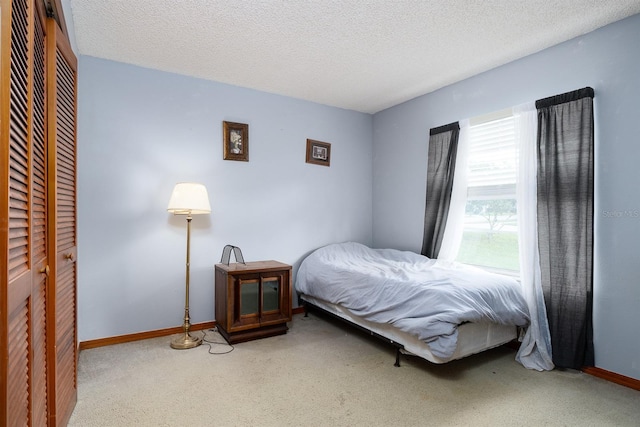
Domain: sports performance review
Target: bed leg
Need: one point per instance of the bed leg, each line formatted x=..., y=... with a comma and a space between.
x=306, y=309
x=397, y=364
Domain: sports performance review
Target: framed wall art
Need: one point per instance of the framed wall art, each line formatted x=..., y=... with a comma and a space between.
x=318, y=152
x=235, y=137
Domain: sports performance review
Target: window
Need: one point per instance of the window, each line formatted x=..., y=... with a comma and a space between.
x=490, y=236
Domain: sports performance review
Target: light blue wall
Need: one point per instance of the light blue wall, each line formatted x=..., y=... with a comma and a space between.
x=607, y=60
x=140, y=131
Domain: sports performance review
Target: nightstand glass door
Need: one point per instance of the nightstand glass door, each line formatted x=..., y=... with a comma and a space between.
x=271, y=294
x=249, y=297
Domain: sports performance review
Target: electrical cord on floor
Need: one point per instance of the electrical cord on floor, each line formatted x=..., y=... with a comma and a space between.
x=212, y=343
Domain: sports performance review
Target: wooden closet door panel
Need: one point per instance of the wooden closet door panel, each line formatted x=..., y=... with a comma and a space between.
x=39, y=229
x=17, y=366
x=61, y=92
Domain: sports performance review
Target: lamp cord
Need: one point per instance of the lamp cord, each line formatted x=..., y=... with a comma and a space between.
x=212, y=343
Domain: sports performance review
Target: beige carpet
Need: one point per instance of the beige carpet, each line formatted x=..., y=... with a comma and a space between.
x=323, y=374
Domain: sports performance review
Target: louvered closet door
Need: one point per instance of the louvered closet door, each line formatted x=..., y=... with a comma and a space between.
x=61, y=97
x=23, y=209
x=39, y=229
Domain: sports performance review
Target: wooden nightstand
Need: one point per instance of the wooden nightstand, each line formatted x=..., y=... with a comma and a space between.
x=253, y=300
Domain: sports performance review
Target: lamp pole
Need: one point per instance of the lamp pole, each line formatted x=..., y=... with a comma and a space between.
x=186, y=340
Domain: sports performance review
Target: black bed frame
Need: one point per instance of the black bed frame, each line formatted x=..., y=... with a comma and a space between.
x=308, y=305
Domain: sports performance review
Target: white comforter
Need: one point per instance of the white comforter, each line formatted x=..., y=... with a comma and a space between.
x=425, y=297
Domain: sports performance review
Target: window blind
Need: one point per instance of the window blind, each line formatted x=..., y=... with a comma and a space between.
x=492, y=159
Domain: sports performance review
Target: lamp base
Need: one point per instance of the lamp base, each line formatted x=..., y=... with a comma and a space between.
x=185, y=341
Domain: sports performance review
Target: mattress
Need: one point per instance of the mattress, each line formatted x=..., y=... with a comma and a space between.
x=472, y=337
x=425, y=298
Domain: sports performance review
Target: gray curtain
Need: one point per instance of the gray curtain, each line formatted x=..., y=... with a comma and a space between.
x=441, y=161
x=565, y=223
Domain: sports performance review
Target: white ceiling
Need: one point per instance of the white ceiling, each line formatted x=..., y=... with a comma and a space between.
x=363, y=55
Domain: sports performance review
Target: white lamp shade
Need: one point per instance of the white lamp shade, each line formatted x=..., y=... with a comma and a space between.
x=189, y=198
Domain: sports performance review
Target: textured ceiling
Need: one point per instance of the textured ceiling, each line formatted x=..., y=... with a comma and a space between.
x=363, y=55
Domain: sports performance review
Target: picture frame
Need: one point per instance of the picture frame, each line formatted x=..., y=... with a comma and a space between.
x=235, y=141
x=318, y=152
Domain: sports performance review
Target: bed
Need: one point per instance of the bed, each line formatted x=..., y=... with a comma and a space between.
x=434, y=309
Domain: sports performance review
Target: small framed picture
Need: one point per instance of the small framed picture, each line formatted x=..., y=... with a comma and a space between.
x=318, y=153
x=235, y=137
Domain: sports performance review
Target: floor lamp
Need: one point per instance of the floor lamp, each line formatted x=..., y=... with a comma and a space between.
x=188, y=198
